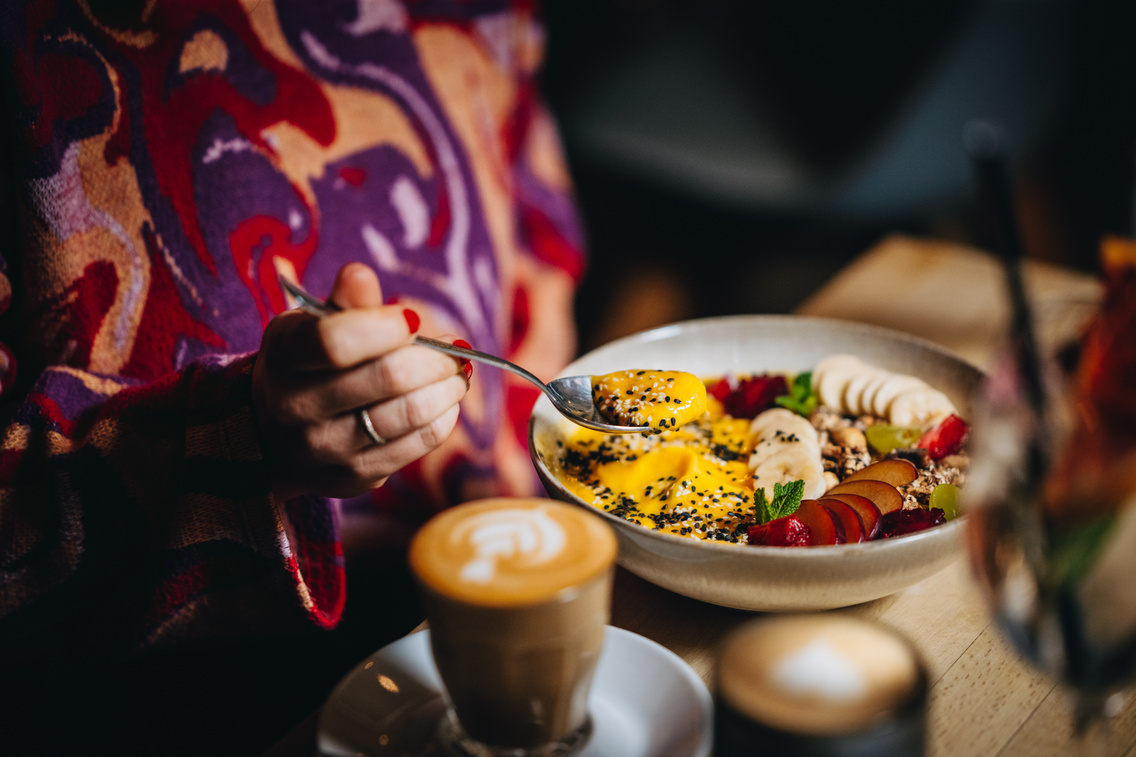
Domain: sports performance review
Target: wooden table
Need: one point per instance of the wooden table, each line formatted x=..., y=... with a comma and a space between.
x=950, y=294
x=984, y=700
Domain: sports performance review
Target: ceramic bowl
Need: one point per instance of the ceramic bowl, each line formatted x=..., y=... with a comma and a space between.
x=766, y=578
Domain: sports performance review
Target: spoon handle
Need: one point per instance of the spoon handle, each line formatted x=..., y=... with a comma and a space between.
x=314, y=305
x=481, y=357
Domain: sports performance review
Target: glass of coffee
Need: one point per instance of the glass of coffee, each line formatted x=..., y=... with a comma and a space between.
x=517, y=592
x=819, y=685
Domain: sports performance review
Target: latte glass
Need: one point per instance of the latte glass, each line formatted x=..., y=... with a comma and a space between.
x=823, y=685
x=517, y=593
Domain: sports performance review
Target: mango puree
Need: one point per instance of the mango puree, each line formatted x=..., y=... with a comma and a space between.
x=692, y=480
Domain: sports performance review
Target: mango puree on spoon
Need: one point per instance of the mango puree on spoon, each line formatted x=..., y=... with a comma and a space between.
x=659, y=399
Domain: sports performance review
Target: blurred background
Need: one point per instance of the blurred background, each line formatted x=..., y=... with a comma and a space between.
x=731, y=155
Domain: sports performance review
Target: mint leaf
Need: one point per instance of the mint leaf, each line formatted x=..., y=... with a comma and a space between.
x=761, y=507
x=802, y=384
x=801, y=399
x=786, y=500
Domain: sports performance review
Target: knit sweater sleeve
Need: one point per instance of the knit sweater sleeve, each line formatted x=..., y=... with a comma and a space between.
x=136, y=514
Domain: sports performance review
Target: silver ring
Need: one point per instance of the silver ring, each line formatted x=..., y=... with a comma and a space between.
x=365, y=419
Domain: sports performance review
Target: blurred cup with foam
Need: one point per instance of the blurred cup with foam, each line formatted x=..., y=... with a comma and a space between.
x=821, y=684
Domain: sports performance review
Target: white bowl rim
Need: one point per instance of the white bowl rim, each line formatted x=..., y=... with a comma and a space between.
x=665, y=330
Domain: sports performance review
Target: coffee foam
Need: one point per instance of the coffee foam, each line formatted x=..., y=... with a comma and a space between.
x=529, y=537
x=502, y=552
x=817, y=674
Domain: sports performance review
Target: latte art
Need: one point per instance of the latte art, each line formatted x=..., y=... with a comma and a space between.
x=820, y=670
x=525, y=537
x=503, y=552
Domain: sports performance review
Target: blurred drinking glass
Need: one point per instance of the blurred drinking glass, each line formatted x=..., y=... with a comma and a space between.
x=1052, y=493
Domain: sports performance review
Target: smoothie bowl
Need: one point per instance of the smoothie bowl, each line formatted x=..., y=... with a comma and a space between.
x=825, y=471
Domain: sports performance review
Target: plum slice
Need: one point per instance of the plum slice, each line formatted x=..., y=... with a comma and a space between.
x=893, y=471
x=883, y=495
x=868, y=512
x=820, y=522
x=848, y=519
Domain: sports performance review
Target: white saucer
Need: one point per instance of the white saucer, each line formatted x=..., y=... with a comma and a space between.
x=645, y=702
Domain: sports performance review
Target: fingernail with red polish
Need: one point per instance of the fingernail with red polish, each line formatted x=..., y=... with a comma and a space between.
x=412, y=319
x=467, y=367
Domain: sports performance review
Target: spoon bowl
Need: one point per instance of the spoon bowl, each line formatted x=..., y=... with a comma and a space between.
x=571, y=395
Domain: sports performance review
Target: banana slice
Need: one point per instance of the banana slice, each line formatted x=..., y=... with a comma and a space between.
x=833, y=374
x=868, y=396
x=779, y=422
x=762, y=451
x=849, y=385
x=853, y=397
x=896, y=385
x=919, y=407
x=777, y=428
x=789, y=464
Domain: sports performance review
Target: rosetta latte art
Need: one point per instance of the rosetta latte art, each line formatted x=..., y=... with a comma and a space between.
x=524, y=537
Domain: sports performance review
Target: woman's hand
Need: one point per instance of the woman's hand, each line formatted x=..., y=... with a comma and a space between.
x=313, y=377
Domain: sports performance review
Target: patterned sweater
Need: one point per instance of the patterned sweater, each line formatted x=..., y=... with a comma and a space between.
x=166, y=158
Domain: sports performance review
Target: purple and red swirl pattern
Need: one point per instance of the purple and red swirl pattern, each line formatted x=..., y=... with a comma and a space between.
x=168, y=158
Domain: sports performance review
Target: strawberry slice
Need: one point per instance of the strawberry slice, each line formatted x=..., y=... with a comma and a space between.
x=782, y=532
x=750, y=396
x=945, y=439
x=720, y=390
x=902, y=522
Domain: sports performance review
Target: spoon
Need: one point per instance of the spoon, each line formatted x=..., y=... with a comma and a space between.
x=571, y=395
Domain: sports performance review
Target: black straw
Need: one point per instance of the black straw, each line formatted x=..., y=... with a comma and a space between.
x=984, y=145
